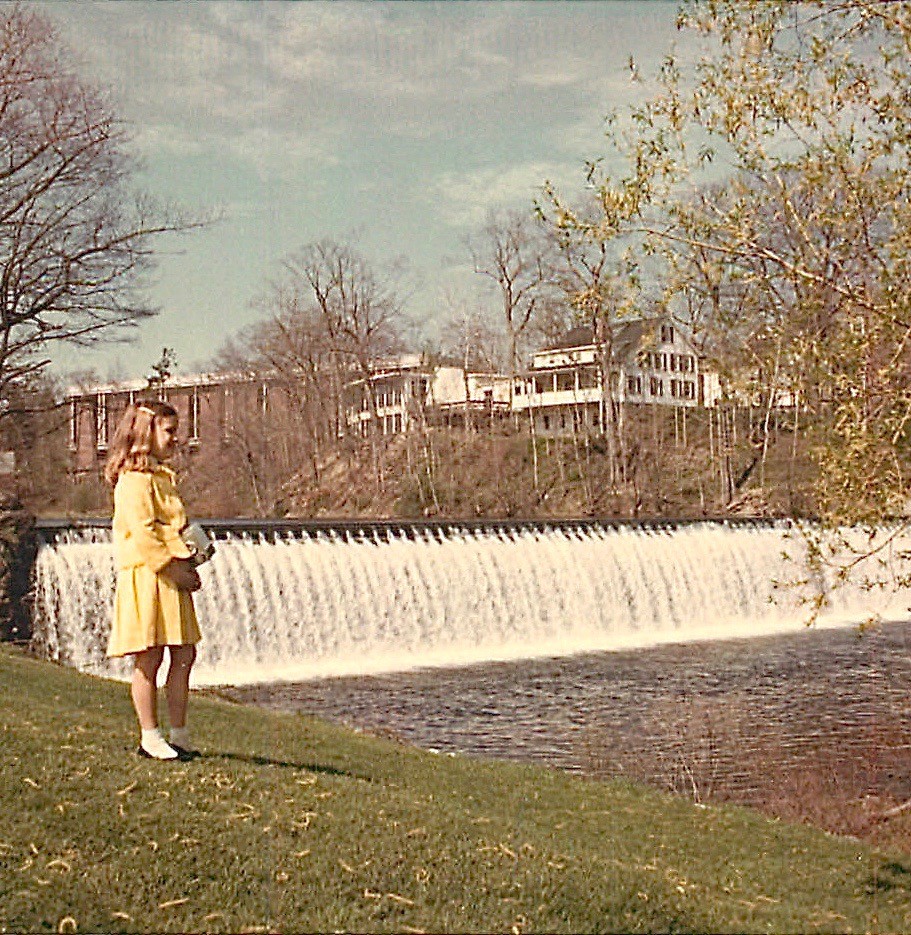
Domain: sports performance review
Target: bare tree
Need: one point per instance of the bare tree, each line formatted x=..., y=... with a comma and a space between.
x=597, y=284
x=511, y=252
x=469, y=336
x=75, y=240
x=359, y=312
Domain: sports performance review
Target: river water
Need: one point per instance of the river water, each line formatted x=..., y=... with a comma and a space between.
x=727, y=717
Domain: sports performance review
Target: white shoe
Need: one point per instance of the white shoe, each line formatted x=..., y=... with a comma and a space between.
x=155, y=747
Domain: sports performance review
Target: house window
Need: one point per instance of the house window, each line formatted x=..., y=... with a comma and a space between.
x=546, y=421
x=689, y=389
x=518, y=389
x=634, y=386
x=667, y=334
x=397, y=422
x=656, y=385
x=588, y=378
x=565, y=381
x=101, y=421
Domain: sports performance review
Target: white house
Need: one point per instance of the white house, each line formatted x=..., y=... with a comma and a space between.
x=408, y=389
x=652, y=361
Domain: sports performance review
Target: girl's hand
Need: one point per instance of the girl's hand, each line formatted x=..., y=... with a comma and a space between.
x=182, y=575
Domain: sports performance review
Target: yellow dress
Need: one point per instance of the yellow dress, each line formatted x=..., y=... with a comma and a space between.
x=148, y=609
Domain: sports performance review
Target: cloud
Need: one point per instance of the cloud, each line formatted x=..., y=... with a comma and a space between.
x=464, y=199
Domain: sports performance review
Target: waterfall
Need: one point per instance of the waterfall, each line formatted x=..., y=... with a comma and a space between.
x=307, y=602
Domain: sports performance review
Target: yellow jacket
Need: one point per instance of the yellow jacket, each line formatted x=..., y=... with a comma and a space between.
x=148, y=518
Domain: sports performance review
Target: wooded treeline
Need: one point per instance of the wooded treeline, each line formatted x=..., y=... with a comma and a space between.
x=759, y=195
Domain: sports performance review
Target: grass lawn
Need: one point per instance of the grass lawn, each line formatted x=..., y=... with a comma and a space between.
x=289, y=824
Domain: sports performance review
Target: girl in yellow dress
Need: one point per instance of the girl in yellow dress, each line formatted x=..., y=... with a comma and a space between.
x=153, y=604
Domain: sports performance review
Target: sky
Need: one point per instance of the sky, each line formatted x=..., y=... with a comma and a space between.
x=393, y=126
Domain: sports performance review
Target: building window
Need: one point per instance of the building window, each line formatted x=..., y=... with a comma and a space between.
x=101, y=421
x=588, y=378
x=656, y=386
x=397, y=422
x=74, y=424
x=689, y=389
x=546, y=421
x=566, y=381
x=667, y=334
x=634, y=386
x=227, y=422
x=194, y=416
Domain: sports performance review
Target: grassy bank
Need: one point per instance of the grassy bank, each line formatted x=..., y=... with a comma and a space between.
x=290, y=824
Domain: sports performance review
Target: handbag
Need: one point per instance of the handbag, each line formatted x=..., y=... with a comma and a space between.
x=198, y=541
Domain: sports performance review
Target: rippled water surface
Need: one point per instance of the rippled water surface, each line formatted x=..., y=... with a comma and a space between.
x=707, y=715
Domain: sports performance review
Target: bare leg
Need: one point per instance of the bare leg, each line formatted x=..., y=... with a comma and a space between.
x=178, y=683
x=144, y=691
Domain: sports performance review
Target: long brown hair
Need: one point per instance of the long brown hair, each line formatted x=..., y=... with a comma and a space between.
x=133, y=438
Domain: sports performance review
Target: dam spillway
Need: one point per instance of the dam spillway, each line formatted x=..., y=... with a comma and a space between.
x=283, y=601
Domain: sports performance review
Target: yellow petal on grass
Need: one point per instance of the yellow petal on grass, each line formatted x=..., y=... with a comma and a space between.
x=121, y=915
x=67, y=924
x=173, y=902
x=128, y=788
x=400, y=899
x=33, y=784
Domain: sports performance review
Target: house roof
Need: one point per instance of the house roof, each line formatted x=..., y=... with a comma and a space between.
x=628, y=335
